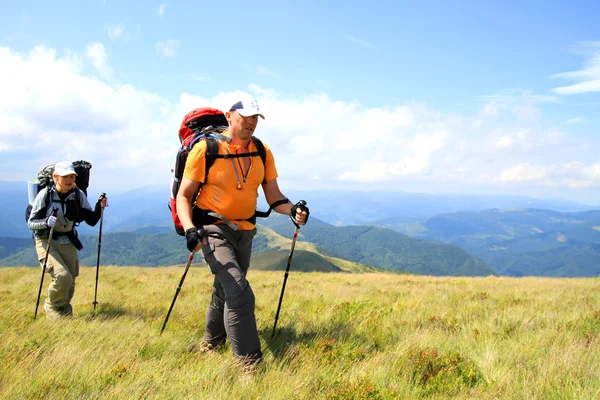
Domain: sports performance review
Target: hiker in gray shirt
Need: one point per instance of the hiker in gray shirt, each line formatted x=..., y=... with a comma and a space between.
x=63, y=260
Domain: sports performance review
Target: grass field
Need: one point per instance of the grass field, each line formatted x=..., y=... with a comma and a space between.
x=340, y=336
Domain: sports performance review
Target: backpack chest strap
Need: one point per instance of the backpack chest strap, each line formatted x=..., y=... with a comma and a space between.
x=236, y=155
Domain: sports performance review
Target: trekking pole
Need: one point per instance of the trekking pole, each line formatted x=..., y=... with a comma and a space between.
x=287, y=270
x=99, y=246
x=37, y=303
x=187, y=267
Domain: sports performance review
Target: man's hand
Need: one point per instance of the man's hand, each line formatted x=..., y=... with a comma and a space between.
x=300, y=213
x=195, y=238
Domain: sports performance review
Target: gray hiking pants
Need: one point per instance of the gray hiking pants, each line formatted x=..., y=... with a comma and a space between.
x=231, y=310
x=63, y=267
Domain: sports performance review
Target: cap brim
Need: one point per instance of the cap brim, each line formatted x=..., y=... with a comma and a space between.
x=67, y=173
x=249, y=113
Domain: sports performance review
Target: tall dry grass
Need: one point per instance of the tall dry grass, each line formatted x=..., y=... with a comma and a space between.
x=340, y=336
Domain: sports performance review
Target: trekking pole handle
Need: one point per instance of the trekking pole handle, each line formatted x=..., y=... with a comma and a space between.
x=102, y=196
x=302, y=203
x=54, y=214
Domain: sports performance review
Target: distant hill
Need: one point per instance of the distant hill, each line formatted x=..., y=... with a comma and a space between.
x=380, y=248
x=13, y=202
x=386, y=249
x=339, y=207
x=146, y=208
x=302, y=260
x=410, y=236
x=521, y=242
x=580, y=261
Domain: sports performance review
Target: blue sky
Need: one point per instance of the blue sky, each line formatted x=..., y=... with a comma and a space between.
x=461, y=97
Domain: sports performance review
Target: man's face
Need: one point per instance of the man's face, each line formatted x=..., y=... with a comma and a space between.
x=242, y=127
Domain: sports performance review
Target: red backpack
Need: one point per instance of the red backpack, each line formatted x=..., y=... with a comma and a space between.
x=193, y=128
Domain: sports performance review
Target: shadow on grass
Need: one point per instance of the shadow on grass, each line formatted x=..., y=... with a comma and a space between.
x=106, y=311
x=286, y=337
x=109, y=311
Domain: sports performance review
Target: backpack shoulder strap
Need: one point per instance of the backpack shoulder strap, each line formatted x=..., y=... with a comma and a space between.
x=78, y=219
x=212, y=151
x=261, y=149
x=78, y=198
x=261, y=152
x=49, y=195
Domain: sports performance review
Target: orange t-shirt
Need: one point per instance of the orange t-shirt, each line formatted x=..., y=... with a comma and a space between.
x=220, y=192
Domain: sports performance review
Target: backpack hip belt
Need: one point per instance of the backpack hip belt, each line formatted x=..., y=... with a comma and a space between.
x=72, y=235
x=202, y=217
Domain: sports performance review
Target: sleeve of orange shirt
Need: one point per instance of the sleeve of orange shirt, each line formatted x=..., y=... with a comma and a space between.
x=196, y=163
x=270, y=169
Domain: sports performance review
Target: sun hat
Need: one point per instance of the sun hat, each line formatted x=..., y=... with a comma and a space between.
x=64, y=168
x=247, y=106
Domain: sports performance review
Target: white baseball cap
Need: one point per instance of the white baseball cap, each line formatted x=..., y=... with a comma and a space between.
x=247, y=107
x=64, y=168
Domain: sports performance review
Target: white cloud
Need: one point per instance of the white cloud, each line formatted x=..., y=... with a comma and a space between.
x=266, y=72
x=50, y=109
x=117, y=32
x=576, y=120
x=578, y=88
x=505, y=142
x=199, y=78
x=587, y=78
x=167, y=48
x=97, y=53
x=570, y=175
x=592, y=172
x=524, y=172
x=161, y=10
x=360, y=42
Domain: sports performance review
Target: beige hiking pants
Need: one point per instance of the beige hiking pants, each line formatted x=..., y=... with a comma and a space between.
x=63, y=267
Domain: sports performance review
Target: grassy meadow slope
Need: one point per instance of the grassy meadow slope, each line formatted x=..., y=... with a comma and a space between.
x=277, y=261
x=340, y=336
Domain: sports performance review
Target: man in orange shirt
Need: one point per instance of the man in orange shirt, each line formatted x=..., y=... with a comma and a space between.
x=230, y=195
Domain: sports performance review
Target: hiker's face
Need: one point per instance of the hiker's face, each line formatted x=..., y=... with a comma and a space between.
x=242, y=127
x=64, y=183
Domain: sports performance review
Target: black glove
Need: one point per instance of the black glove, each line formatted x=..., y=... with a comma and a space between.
x=98, y=206
x=193, y=236
x=302, y=206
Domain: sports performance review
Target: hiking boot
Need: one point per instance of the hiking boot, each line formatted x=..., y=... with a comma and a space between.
x=51, y=313
x=204, y=347
x=55, y=314
x=248, y=365
x=207, y=346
